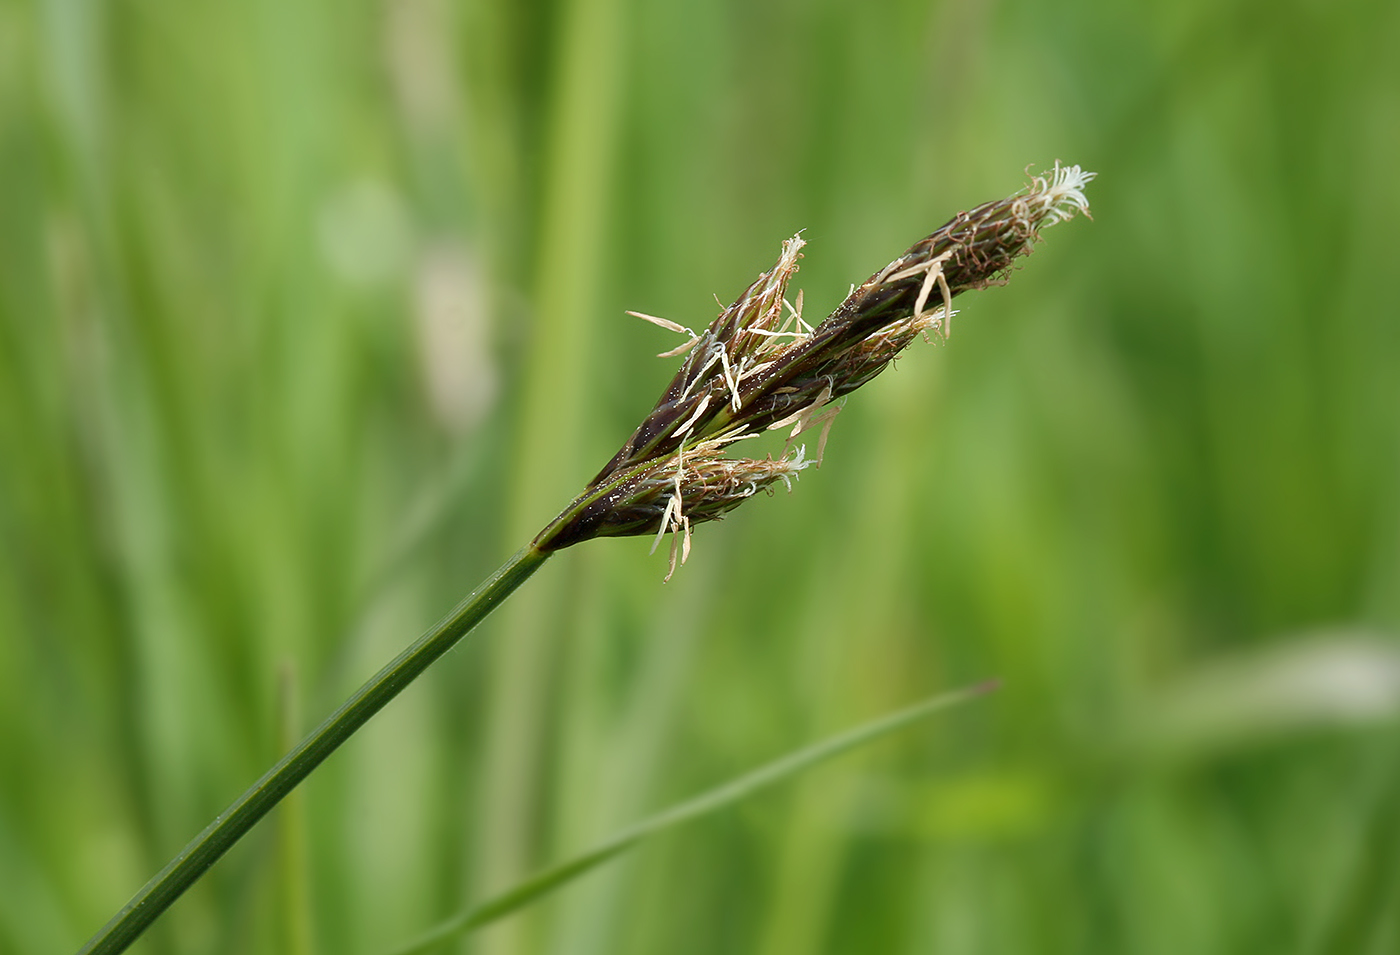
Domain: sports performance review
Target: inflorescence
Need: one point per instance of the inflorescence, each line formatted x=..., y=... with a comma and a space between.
x=760, y=367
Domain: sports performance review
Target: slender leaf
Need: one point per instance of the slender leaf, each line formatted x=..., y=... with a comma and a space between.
x=721, y=797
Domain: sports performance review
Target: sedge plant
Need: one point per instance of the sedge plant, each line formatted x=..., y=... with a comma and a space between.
x=758, y=367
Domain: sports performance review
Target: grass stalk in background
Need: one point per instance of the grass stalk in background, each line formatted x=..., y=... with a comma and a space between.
x=758, y=367
x=294, y=877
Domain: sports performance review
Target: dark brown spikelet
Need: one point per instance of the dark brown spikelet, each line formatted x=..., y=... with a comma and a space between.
x=759, y=367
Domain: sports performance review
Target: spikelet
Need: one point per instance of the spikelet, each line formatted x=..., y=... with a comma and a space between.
x=759, y=366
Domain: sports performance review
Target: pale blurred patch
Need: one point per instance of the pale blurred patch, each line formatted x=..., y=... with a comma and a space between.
x=1333, y=678
x=364, y=233
x=454, y=333
x=421, y=61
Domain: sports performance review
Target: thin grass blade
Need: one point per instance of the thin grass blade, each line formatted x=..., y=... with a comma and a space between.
x=714, y=800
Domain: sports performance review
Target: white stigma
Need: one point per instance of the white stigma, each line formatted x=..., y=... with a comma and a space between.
x=1062, y=195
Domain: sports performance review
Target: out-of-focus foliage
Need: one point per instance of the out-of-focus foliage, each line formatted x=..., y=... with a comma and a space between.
x=312, y=312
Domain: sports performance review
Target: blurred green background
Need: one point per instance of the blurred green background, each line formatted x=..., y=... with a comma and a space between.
x=311, y=313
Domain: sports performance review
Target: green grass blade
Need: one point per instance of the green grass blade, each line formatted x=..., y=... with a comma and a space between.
x=712, y=801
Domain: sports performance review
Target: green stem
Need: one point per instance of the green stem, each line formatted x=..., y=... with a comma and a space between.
x=235, y=821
